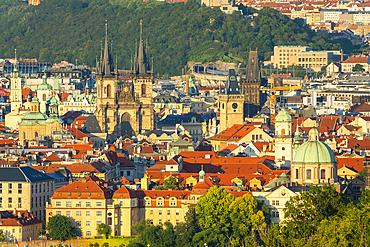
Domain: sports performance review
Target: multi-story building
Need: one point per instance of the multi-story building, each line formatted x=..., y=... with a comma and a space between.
x=315, y=60
x=351, y=62
x=24, y=188
x=284, y=54
x=20, y=225
x=88, y=203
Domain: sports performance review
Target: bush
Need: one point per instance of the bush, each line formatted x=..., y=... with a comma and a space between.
x=105, y=244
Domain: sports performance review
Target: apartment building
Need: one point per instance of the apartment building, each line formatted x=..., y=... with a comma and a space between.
x=87, y=203
x=315, y=60
x=284, y=54
x=24, y=188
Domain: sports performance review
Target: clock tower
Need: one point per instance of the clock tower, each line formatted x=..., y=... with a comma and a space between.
x=231, y=103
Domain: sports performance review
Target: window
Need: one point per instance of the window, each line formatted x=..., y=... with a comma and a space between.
x=159, y=203
x=10, y=202
x=99, y=213
x=57, y=203
x=177, y=221
x=19, y=202
x=143, y=89
x=68, y=204
x=10, y=191
x=308, y=174
x=147, y=202
x=160, y=221
x=78, y=223
x=177, y=212
x=108, y=91
x=78, y=204
x=275, y=202
x=296, y=173
x=275, y=214
x=160, y=212
x=99, y=204
x=173, y=203
x=88, y=204
x=98, y=222
x=78, y=213
x=128, y=173
x=19, y=188
x=1, y=188
x=151, y=212
x=68, y=213
x=88, y=233
x=88, y=223
x=323, y=174
x=168, y=212
x=1, y=202
x=88, y=213
x=58, y=212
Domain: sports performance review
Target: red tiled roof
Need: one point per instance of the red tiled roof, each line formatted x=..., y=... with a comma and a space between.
x=83, y=189
x=356, y=60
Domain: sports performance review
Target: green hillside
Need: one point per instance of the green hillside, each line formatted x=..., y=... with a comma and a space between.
x=73, y=29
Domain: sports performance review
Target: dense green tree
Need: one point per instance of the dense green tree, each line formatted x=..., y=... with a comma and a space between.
x=170, y=183
x=60, y=228
x=176, y=32
x=103, y=229
x=2, y=236
x=358, y=68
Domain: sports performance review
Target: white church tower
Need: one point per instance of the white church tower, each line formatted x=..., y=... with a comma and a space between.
x=15, y=87
x=283, y=139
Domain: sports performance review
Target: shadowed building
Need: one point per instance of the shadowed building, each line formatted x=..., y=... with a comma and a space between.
x=127, y=109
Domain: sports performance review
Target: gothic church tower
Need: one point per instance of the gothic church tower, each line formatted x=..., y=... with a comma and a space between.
x=231, y=103
x=143, y=78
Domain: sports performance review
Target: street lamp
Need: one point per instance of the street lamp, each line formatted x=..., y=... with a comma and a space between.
x=205, y=245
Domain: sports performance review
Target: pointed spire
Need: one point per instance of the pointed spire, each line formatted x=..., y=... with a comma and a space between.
x=141, y=60
x=107, y=63
x=15, y=61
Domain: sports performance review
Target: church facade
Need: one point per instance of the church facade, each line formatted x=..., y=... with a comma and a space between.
x=126, y=108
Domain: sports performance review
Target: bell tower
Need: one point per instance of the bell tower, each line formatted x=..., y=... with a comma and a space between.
x=143, y=78
x=231, y=103
x=106, y=80
x=16, y=86
x=283, y=138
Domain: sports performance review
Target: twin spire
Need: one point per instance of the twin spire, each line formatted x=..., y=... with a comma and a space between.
x=141, y=63
x=106, y=60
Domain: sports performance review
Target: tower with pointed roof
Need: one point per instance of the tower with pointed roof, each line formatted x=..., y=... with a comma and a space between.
x=15, y=86
x=142, y=76
x=129, y=108
x=231, y=103
x=251, y=83
x=283, y=138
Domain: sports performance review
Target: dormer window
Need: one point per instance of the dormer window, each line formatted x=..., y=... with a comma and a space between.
x=159, y=202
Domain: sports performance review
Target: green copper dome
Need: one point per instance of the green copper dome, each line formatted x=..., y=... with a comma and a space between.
x=283, y=116
x=34, y=116
x=314, y=151
x=44, y=85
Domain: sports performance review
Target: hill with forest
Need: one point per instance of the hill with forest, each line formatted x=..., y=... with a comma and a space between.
x=176, y=32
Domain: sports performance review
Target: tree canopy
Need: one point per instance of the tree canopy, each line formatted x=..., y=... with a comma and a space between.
x=176, y=32
x=60, y=227
x=103, y=229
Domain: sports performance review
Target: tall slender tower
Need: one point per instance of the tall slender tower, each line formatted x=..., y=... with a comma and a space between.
x=16, y=86
x=231, y=102
x=252, y=82
x=143, y=78
x=106, y=112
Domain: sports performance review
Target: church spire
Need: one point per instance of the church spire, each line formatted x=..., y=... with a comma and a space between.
x=15, y=61
x=141, y=60
x=107, y=63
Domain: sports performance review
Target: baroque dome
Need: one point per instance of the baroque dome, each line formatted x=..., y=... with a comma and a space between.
x=283, y=116
x=314, y=151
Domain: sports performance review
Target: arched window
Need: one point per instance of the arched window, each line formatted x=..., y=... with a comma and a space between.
x=323, y=174
x=296, y=173
x=108, y=91
x=36, y=134
x=308, y=174
x=24, y=135
x=283, y=132
x=143, y=89
x=44, y=97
